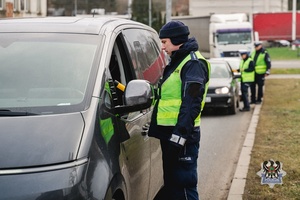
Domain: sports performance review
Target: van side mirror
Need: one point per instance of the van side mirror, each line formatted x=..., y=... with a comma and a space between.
x=138, y=95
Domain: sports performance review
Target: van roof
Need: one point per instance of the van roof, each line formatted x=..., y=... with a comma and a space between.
x=85, y=25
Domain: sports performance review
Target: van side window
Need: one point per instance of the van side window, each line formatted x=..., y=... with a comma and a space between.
x=135, y=55
x=120, y=68
x=145, y=55
x=140, y=59
x=114, y=69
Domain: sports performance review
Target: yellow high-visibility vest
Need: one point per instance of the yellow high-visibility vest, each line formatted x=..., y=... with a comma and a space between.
x=260, y=65
x=170, y=101
x=106, y=125
x=246, y=76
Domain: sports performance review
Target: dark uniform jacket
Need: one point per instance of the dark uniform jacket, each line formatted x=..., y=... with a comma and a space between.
x=194, y=71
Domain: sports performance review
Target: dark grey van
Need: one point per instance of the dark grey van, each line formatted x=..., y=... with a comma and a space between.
x=66, y=130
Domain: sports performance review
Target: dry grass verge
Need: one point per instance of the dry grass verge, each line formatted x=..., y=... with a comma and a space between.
x=277, y=137
x=285, y=71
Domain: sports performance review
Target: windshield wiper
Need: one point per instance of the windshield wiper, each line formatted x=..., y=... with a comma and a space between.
x=9, y=113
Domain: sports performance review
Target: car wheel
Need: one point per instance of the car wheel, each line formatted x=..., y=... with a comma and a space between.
x=233, y=109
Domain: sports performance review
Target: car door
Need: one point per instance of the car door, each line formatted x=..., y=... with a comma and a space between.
x=135, y=149
x=148, y=61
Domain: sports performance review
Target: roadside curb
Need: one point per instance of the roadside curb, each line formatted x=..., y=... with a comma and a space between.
x=239, y=179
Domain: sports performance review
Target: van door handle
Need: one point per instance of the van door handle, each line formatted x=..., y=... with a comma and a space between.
x=145, y=129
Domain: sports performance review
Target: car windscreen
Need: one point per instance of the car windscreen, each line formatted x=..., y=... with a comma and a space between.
x=219, y=70
x=45, y=73
x=235, y=64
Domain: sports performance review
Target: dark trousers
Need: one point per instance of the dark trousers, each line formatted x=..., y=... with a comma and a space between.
x=245, y=94
x=259, y=82
x=180, y=172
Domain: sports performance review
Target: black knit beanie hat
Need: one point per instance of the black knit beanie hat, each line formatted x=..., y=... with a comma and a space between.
x=176, y=31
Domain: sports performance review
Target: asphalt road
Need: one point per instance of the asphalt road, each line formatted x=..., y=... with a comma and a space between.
x=222, y=137
x=285, y=64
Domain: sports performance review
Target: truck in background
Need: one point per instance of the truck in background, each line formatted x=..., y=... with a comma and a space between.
x=228, y=33
x=274, y=27
x=220, y=35
x=199, y=28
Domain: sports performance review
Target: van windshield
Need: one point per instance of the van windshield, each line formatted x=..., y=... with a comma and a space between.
x=40, y=72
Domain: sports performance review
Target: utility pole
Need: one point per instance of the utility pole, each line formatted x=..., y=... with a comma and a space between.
x=294, y=23
x=129, y=9
x=75, y=8
x=150, y=13
x=168, y=10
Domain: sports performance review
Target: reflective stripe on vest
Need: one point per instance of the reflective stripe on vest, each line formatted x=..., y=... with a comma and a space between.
x=107, y=129
x=260, y=64
x=246, y=76
x=170, y=101
x=106, y=125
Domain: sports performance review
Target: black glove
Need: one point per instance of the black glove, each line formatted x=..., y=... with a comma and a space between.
x=173, y=152
x=156, y=95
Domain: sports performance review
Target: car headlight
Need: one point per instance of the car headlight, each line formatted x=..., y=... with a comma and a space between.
x=223, y=90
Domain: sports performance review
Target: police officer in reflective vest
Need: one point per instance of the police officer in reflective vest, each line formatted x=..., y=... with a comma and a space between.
x=176, y=115
x=262, y=63
x=247, y=77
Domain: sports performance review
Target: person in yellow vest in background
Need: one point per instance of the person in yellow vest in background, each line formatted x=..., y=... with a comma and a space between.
x=176, y=116
x=247, y=77
x=262, y=62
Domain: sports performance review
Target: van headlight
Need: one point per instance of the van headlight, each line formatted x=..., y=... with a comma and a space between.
x=223, y=90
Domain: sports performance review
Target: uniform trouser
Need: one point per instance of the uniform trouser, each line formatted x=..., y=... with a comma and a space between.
x=259, y=81
x=245, y=94
x=180, y=172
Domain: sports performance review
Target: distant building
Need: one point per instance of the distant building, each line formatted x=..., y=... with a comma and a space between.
x=31, y=8
x=23, y=8
x=207, y=7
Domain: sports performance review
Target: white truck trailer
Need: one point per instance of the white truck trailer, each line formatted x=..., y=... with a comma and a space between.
x=220, y=35
x=199, y=28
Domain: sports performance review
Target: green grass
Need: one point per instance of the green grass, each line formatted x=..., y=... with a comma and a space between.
x=277, y=134
x=286, y=71
x=277, y=137
x=284, y=53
